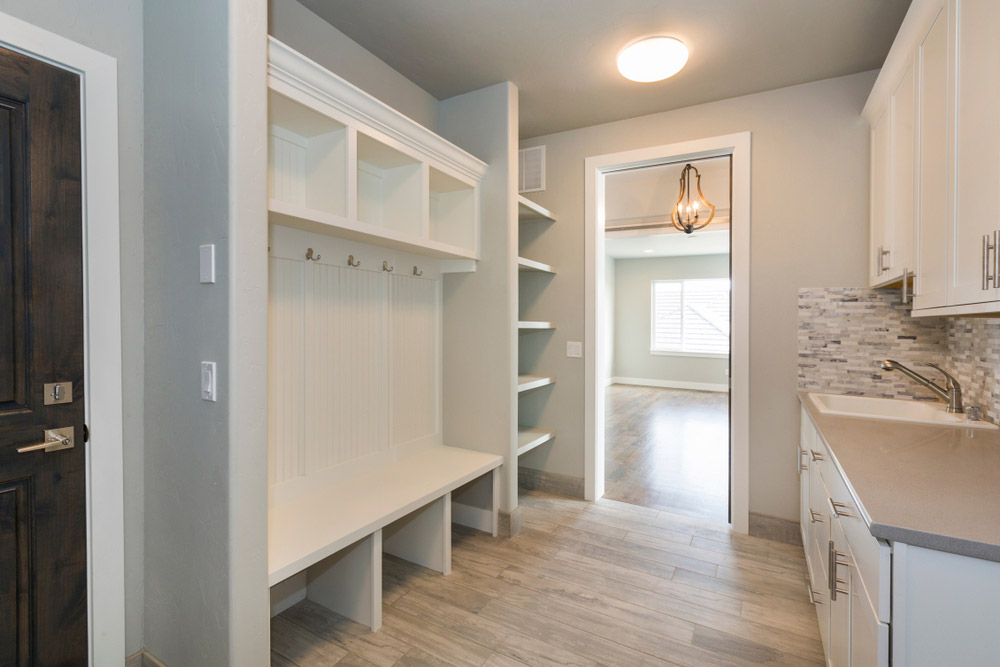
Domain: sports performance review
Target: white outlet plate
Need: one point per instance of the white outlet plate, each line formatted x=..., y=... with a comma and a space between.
x=206, y=263
x=208, y=381
x=574, y=348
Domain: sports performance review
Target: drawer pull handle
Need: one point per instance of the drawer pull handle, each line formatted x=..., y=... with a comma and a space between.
x=813, y=595
x=840, y=509
x=816, y=456
x=813, y=515
x=835, y=559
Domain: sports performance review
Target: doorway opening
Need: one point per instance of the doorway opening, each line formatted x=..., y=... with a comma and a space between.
x=732, y=152
x=667, y=342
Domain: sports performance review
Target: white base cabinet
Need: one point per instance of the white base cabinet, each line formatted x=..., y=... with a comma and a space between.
x=944, y=608
x=849, y=570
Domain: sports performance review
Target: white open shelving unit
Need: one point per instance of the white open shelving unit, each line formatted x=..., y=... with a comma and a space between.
x=531, y=436
x=344, y=164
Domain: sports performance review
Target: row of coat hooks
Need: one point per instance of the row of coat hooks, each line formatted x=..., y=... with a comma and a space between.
x=355, y=263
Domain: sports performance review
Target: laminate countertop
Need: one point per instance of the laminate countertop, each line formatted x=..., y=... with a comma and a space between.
x=929, y=486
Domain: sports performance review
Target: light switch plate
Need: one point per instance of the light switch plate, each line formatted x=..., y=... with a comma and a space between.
x=206, y=263
x=208, y=381
x=574, y=348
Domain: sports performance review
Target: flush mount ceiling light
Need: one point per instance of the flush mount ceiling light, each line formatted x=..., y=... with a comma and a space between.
x=652, y=59
x=686, y=215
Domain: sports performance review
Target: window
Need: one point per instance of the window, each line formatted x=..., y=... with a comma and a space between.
x=690, y=317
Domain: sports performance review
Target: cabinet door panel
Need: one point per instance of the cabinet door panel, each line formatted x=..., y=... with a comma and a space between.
x=869, y=638
x=819, y=541
x=839, y=652
x=881, y=179
x=934, y=214
x=901, y=231
x=977, y=148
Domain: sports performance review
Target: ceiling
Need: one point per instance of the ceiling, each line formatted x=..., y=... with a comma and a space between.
x=561, y=53
x=674, y=244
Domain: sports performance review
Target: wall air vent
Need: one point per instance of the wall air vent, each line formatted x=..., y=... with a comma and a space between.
x=531, y=169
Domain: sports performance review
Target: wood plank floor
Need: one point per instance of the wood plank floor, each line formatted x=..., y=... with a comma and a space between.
x=603, y=583
x=668, y=449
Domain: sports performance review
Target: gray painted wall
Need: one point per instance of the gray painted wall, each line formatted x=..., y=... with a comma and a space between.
x=294, y=24
x=186, y=441
x=114, y=27
x=632, y=320
x=810, y=228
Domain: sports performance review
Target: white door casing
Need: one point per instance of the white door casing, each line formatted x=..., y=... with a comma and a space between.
x=596, y=167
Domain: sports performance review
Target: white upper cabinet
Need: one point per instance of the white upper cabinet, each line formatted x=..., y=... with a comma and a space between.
x=939, y=83
x=902, y=229
x=343, y=163
x=933, y=212
x=892, y=185
x=881, y=197
x=972, y=263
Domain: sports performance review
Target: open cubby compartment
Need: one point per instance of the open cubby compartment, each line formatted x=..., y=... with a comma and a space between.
x=391, y=188
x=307, y=157
x=452, y=210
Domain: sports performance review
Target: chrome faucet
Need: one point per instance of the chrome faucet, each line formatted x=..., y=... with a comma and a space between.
x=952, y=395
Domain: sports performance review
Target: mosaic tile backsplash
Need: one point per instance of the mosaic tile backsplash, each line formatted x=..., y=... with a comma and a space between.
x=845, y=332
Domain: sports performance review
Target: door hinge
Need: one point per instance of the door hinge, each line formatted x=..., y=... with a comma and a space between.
x=86, y=433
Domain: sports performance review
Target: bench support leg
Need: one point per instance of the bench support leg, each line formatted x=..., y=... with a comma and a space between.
x=350, y=581
x=495, y=509
x=424, y=536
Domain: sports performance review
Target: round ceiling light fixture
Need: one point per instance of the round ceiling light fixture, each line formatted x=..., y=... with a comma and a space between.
x=652, y=59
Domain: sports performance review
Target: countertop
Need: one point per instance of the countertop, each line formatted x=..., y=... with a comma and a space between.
x=925, y=485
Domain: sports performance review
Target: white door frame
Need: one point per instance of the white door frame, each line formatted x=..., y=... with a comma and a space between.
x=102, y=326
x=738, y=146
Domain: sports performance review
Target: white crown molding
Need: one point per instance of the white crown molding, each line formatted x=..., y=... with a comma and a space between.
x=291, y=68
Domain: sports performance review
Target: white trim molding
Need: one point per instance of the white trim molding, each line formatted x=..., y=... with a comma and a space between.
x=596, y=168
x=288, y=70
x=670, y=384
x=102, y=321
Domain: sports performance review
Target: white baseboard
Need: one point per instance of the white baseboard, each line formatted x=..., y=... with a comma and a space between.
x=472, y=517
x=671, y=384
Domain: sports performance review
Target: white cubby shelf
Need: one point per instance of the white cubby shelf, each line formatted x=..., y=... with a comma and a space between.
x=342, y=163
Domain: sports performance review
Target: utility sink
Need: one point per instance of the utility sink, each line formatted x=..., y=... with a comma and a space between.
x=892, y=409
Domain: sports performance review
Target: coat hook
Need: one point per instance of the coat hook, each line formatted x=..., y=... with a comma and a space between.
x=352, y=262
x=310, y=255
x=417, y=273
x=387, y=268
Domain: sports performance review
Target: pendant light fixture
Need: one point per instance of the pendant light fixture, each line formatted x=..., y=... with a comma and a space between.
x=687, y=215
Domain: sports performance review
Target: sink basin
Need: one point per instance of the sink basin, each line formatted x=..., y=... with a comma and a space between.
x=893, y=410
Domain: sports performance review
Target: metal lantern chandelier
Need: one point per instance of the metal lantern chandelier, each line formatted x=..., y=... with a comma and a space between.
x=686, y=215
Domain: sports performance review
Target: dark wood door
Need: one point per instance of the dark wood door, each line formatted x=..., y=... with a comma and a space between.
x=43, y=567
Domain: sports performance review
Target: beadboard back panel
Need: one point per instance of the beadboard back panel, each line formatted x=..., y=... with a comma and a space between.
x=416, y=381
x=354, y=366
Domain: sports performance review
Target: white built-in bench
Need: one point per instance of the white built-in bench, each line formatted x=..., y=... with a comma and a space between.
x=327, y=544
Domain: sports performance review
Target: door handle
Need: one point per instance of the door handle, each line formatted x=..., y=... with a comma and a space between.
x=55, y=439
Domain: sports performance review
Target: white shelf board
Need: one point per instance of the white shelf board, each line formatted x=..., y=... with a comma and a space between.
x=530, y=437
x=529, y=382
x=532, y=266
x=526, y=325
x=529, y=210
x=321, y=222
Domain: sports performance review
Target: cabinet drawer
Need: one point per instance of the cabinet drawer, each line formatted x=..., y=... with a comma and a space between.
x=871, y=555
